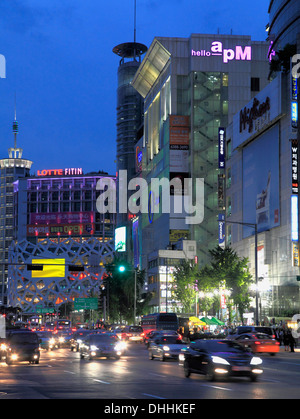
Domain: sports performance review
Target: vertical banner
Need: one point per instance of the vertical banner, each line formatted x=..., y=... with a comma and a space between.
x=222, y=230
x=221, y=136
x=294, y=144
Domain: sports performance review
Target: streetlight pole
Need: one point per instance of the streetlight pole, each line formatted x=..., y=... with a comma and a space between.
x=134, y=305
x=253, y=225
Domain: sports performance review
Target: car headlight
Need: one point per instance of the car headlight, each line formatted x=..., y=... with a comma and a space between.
x=94, y=348
x=121, y=346
x=52, y=341
x=219, y=360
x=166, y=348
x=61, y=339
x=256, y=361
x=3, y=347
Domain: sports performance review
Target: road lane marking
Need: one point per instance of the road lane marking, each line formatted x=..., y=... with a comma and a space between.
x=157, y=375
x=70, y=372
x=100, y=381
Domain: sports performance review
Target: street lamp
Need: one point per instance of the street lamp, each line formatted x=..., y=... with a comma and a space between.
x=252, y=225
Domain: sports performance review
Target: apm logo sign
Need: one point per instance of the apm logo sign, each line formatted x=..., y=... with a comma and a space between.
x=2, y=67
x=228, y=54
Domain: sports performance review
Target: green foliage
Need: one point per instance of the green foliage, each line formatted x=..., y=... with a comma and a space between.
x=226, y=270
x=185, y=277
x=229, y=270
x=120, y=291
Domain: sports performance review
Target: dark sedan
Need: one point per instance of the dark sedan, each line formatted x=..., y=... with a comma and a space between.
x=102, y=345
x=220, y=358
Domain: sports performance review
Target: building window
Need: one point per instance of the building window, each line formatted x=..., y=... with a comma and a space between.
x=255, y=84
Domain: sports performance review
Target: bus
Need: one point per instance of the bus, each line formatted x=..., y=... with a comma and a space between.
x=159, y=321
x=58, y=324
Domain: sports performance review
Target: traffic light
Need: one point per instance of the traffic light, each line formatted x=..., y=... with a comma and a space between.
x=121, y=268
x=34, y=267
x=76, y=268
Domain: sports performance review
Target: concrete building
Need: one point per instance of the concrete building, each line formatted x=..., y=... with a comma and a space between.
x=191, y=87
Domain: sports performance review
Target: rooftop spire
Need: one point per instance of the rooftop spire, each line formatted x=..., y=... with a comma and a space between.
x=15, y=152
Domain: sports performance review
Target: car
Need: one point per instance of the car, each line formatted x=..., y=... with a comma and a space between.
x=22, y=345
x=46, y=340
x=220, y=358
x=251, y=329
x=77, y=339
x=166, y=347
x=133, y=334
x=154, y=334
x=101, y=345
x=63, y=338
x=258, y=343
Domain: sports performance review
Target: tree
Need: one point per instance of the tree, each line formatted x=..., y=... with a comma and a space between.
x=185, y=285
x=120, y=291
x=229, y=270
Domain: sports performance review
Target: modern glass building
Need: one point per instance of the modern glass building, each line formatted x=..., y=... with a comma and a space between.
x=129, y=123
x=284, y=23
x=192, y=87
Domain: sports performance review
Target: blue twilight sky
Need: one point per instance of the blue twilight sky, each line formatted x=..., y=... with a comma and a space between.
x=60, y=65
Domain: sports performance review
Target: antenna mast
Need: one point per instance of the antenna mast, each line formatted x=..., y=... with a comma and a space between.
x=134, y=33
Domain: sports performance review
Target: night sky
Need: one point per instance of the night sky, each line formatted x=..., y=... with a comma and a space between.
x=61, y=68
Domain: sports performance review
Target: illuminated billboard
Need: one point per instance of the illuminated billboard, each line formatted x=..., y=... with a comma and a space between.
x=261, y=182
x=52, y=268
x=120, y=239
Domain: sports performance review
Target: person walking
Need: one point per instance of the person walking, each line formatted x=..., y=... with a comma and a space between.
x=286, y=340
x=291, y=340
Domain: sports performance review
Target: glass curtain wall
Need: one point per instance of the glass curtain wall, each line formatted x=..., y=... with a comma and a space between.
x=209, y=112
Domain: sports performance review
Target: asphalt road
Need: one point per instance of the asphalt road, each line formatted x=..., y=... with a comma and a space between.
x=62, y=375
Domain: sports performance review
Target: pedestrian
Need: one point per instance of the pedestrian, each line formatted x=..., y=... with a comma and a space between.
x=291, y=341
x=286, y=340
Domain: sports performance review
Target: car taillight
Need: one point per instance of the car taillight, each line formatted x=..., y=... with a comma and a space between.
x=143, y=334
x=257, y=343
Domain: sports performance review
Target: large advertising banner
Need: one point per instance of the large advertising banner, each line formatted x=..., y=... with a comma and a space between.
x=61, y=217
x=64, y=229
x=179, y=143
x=261, y=182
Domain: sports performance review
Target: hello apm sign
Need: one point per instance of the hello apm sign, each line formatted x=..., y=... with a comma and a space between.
x=228, y=54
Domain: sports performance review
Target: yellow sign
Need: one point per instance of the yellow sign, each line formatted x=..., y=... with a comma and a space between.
x=52, y=268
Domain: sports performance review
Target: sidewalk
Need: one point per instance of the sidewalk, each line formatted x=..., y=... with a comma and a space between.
x=289, y=354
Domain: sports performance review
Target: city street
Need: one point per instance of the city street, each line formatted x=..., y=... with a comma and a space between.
x=62, y=375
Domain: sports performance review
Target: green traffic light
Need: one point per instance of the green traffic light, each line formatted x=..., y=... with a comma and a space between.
x=121, y=268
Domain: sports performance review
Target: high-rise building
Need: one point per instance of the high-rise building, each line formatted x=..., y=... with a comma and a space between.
x=129, y=121
x=191, y=87
x=262, y=172
x=12, y=168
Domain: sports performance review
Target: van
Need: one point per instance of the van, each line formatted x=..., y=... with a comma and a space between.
x=22, y=345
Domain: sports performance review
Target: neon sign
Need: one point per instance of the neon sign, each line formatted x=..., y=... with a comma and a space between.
x=228, y=54
x=60, y=172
